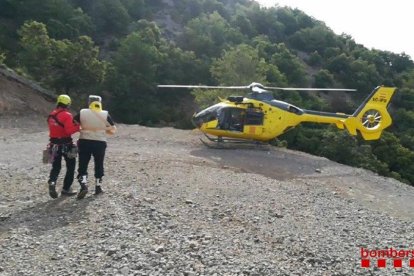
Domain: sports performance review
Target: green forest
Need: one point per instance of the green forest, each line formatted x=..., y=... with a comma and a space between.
x=122, y=49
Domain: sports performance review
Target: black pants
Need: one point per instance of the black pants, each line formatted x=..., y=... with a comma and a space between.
x=60, y=152
x=88, y=148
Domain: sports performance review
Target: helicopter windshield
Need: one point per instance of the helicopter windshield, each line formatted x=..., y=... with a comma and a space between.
x=209, y=114
x=229, y=118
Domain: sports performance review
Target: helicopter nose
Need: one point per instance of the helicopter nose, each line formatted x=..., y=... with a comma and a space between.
x=196, y=120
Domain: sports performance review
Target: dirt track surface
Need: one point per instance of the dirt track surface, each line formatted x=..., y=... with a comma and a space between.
x=174, y=207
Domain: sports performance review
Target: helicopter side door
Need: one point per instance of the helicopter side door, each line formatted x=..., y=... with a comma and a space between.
x=253, y=124
x=254, y=117
x=235, y=119
x=231, y=118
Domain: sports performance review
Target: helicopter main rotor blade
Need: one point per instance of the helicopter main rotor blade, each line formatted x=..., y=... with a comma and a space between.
x=201, y=86
x=251, y=86
x=308, y=89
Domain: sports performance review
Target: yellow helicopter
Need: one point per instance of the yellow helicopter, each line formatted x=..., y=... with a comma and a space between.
x=259, y=117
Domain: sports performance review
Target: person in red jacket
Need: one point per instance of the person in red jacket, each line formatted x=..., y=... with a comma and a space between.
x=61, y=128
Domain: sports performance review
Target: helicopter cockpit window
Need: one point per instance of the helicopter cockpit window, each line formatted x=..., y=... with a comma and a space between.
x=231, y=119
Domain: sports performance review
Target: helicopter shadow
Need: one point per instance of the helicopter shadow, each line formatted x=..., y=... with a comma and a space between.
x=46, y=216
x=275, y=163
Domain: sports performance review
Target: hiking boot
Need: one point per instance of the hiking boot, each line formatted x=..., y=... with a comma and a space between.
x=52, y=189
x=98, y=187
x=83, y=191
x=98, y=190
x=68, y=192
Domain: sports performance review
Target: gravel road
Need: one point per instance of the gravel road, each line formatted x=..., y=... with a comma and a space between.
x=174, y=207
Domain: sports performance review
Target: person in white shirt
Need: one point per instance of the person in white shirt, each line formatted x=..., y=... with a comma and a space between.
x=96, y=124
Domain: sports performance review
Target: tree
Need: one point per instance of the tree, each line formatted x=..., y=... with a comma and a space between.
x=404, y=97
x=60, y=17
x=36, y=54
x=208, y=35
x=339, y=64
x=315, y=59
x=237, y=66
x=76, y=66
x=179, y=66
x=149, y=32
x=336, y=145
x=398, y=158
x=287, y=17
x=313, y=39
x=109, y=17
x=265, y=47
x=291, y=66
x=324, y=79
x=242, y=23
x=265, y=22
x=136, y=8
x=133, y=78
x=362, y=76
x=72, y=67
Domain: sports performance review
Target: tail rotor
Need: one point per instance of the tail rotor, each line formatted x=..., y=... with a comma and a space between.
x=371, y=119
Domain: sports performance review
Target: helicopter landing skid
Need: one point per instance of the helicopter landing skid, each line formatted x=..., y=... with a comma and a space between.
x=231, y=143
